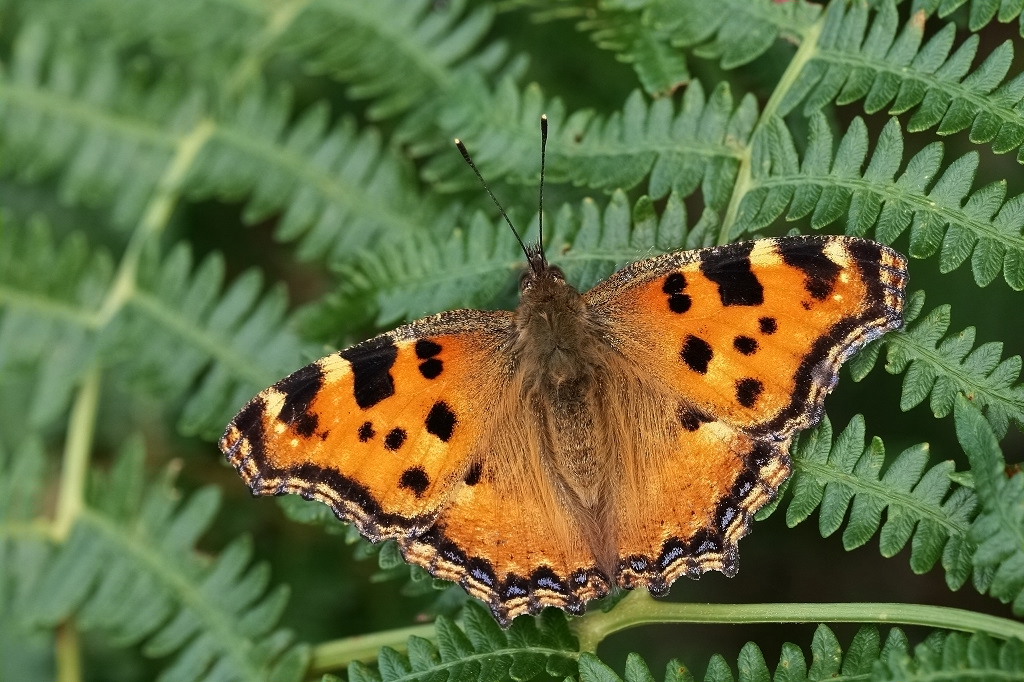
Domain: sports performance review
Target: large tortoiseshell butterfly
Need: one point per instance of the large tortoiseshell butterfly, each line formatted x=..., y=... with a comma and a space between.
x=620, y=437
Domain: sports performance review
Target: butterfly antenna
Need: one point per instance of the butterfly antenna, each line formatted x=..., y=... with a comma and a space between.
x=465, y=155
x=540, y=202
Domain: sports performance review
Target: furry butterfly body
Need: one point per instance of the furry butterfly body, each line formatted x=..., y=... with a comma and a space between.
x=623, y=436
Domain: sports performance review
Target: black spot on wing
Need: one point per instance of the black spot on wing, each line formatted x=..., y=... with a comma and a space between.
x=748, y=391
x=425, y=348
x=473, y=475
x=416, y=480
x=432, y=366
x=441, y=421
x=395, y=438
x=691, y=418
x=366, y=432
x=745, y=345
x=820, y=272
x=697, y=354
x=371, y=370
x=675, y=284
x=729, y=268
x=299, y=389
x=768, y=325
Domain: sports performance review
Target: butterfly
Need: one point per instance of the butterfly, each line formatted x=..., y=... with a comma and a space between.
x=624, y=436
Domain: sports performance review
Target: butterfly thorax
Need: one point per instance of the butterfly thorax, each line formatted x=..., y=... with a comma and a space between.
x=562, y=369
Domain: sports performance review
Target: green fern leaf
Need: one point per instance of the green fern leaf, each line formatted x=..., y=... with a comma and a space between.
x=981, y=13
x=105, y=135
x=922, y=505
x=828, y=661
x=940, y=367
x=999, y=528
x=957, y=656
x=829, y=185
x=335, y=189
x=476, y=268
x=183, y=336
x=396, y=53
x=699, y=145
x=637, y=40
x=478, y=650
x=133, y=573
x=48, y=292
x=733, y=32
x=861, y=57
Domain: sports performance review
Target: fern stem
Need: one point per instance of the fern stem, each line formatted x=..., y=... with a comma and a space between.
x=278, y=20
x=68, y=653
x=639, y=608
x=339, y=653
x=154, y=218
x=808, y=49
x=75, y=465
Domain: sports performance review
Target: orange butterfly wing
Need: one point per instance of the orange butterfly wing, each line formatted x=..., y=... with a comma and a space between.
x=754, y=333
x=750, y=337
x=383, y=432
x=398, y=434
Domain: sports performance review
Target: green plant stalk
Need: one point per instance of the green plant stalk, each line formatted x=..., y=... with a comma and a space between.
x=808, y=49
x=68, y=653
x=75, y=463
x=639, y=608
x=332, y=656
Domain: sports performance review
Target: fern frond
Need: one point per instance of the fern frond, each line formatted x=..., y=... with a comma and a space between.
x=129, y=568
x=860, y=56
x=48, y=292
x=73, y=112
x=941, y=366
x=956, y=656
x=734, y=32
x=477, y=649
x=184, y=334
x=401, y=54
x=922, y=505
x=829, y=184
x=700, y=145
x=78, y=116
x=475, y=268
x=999, y=528
x=337, y=189
x=660, y=67
x=980, y=12
x=828, y=661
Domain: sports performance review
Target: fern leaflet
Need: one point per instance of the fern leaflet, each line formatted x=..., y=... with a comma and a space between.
x=478, y=650
x=940, y=367
x=699, y=145
x=47, y=293
x=828, y=661
x=828, y=185
x=999, y=528
x=981, y=12
x=956, y=656
x=860, y=58
x=414, y=278
x=129, y=568
x=842, y=475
